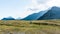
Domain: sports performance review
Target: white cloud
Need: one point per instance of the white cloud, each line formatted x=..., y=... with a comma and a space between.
x=54, y=3
x=38, y=4
x=40, y=1
x=43, y=4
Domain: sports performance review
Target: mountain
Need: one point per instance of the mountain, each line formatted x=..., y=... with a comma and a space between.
x=8, y=18
x=35, y=16
x=53, y=13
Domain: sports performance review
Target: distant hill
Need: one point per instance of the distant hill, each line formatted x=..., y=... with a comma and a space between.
x=9, y=18
x=53, y=13
x=35, y=16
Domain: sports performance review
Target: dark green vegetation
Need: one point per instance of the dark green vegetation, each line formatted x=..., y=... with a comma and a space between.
x=30, y=27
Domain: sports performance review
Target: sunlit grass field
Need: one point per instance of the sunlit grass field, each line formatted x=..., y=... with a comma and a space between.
x=30, y=27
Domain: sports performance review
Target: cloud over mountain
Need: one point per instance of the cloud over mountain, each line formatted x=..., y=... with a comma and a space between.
x=43, y=4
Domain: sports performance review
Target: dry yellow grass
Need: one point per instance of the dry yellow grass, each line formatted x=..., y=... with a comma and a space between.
x=29, y=27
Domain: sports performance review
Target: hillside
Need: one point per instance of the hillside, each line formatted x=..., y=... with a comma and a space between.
x=53, y=13
x=35, y=16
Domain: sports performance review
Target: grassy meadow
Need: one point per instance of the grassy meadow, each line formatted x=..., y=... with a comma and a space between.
x=30, y=27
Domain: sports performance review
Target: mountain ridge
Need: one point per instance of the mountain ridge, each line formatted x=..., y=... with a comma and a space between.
x=53, y=13
x=34, y=16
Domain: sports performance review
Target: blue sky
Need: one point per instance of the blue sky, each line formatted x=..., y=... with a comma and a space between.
x=12, y=7
x=21, y=8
